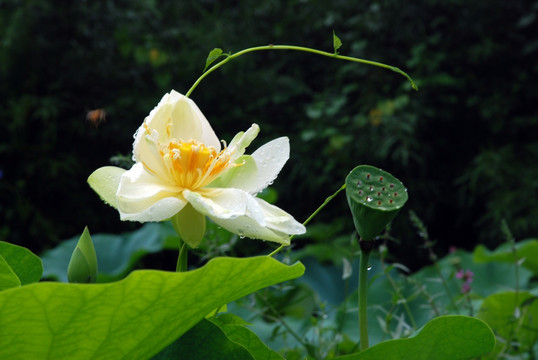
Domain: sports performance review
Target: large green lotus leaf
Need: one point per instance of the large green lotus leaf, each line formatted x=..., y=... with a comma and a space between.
x=450, y=337
x=526, y=249
x=219, y=338
x=133, y=318
x=18, y=263
x=204, y=341
x=235, y=329
x=116, y=254
x=513, y=316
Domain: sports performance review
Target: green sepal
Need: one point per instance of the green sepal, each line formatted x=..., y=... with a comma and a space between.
x=82, y=267
x=190, y=225
x=375, y=197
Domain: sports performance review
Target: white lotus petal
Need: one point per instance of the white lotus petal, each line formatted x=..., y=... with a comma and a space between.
x=175, y=117
x=269, y=159
x=140, y=191
x=159, y=211
x=279, y=220
x=105, y=182
x=245, y=226
x=146, y=151
x=189, y=122
x=221, y=203
x=258, y=219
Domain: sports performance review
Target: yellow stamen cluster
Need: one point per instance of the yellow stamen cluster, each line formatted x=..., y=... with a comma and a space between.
x=193, y=165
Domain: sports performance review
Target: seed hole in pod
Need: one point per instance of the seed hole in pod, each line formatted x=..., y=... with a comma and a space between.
x=391, y=186
x=371, y=188
x=360, y=192
x=359, y=183
x=390, y=201
x=378, y=193
x=379, y=203
x=368, y=176
x=395, y=194
x=383, y=188
x=381, y=178
x=369, y=198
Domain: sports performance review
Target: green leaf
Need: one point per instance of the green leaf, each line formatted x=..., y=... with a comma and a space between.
x=82, y=267
x=133, y=318
x=213, y=55
x=450, y=337
x=117, y=253
x=220, y=338
x=512, y=316
x=337, y=43
x=8, y=278
x=19, y=262
x=237, y=332
x=204, y=341
x=526, y=249
x=105, y=181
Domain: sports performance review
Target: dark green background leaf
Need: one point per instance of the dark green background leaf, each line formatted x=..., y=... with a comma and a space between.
x=525, y=249
x=24, y=264
x=444, y=338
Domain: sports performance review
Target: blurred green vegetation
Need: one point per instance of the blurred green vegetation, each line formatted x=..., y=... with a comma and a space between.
x=465, y=144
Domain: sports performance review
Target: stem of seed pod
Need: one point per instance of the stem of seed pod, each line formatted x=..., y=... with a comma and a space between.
x=366, y=249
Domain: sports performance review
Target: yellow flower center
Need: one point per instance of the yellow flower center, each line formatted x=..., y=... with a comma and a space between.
x=193, y=165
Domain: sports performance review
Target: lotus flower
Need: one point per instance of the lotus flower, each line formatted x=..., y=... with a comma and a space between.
x=184, y=173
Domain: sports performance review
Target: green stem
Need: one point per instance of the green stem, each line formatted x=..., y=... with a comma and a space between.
x=366, y=249
x=276, y=316
x=398, y=292
x=312, y=216
x=298, y=48
x=182, y=258
x=445, y=285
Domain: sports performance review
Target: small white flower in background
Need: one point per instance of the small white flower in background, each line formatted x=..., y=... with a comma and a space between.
x=183, y=173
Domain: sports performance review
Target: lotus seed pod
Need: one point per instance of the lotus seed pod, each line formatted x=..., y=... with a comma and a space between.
x=82, y=267
x=374, y=197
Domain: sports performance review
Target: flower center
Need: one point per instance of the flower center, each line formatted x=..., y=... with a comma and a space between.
x=193, y=165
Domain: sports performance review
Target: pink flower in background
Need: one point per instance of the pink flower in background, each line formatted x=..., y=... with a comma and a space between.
x=467, y=277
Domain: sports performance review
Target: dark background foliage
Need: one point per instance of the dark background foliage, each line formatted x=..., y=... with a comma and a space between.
x=465, y=144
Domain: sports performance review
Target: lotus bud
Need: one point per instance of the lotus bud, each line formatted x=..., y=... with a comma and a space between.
x=83, y=264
